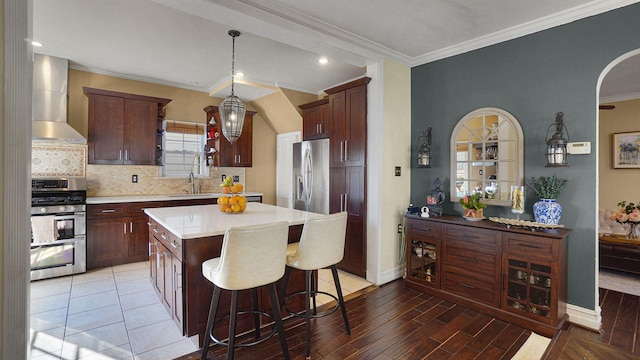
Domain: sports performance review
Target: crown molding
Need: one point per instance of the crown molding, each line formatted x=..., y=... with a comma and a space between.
x=623, y=97
x=290, y=20
x=531, y=27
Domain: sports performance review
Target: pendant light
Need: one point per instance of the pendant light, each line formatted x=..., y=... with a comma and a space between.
x=232, y=110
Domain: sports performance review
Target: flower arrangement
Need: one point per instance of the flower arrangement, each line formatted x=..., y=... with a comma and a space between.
x=472, y=205
x=628, y=214
x=547, y=187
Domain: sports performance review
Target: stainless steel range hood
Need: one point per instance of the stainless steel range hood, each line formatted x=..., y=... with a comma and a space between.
x=49, y=109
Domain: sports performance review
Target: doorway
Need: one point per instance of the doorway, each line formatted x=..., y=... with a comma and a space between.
x=619, y=104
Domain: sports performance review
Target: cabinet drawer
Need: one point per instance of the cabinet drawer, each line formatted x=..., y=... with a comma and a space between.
x=425, y=228
x=530, y=245
x=166, y=238
x=137, y=208
x=472, y=288
x=473, y=237
x=103, y=211
x=481, y=262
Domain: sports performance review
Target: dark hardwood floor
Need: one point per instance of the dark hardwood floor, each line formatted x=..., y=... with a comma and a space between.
x=392, y=322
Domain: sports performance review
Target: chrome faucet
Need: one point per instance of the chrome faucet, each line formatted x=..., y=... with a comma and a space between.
x=193, y=183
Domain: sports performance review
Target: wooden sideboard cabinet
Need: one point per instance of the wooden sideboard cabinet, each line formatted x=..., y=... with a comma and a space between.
x=124, y=129
x=516, y=275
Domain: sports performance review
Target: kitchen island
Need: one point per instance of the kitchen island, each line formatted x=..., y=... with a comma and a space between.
x=182, y=238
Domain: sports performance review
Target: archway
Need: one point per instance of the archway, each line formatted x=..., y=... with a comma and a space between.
x=618, y=92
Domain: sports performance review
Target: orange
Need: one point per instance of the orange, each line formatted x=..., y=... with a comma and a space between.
x=226, y=189
x=242, y=200
x=235, y=208
x=243, y=205
x=236, y=188
x=223, y=207
x=228, y=210
x=223, y=200
x=233, y=200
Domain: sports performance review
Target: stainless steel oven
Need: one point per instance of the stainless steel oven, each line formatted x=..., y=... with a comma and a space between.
x=58, y=219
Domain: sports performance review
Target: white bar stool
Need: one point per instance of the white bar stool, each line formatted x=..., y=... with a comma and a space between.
x=251, y=257
x=321, y=245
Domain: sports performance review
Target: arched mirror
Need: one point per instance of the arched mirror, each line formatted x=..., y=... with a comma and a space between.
x=486, y=156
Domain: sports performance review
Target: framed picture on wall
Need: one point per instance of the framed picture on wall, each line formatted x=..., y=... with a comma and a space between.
x=626, y=150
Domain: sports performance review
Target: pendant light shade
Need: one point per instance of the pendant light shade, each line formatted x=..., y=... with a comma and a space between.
x=232, y=110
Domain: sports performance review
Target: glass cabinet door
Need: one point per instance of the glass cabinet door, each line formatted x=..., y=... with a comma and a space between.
x=423, y=261
x=529, y=289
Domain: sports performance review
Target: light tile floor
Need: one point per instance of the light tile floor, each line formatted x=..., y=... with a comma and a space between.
x=114, y=313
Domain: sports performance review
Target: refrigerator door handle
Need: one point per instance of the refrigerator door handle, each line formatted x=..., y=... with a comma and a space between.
x=308, y=176
x=345, y=202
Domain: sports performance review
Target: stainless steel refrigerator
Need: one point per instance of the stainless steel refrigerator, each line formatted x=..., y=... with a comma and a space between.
x=311, y=176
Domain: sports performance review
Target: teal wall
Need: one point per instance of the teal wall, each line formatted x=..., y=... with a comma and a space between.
x=533, y=78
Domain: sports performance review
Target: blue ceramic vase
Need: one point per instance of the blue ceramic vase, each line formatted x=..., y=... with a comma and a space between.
x=547, y=211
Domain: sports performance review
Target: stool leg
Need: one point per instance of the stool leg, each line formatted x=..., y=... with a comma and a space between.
x=232, y=324
x=314, y=291
x=307, y=306
x=336, y=280
x=277, y=317
x=285, y=282
x=256, y=316
x=212, y=318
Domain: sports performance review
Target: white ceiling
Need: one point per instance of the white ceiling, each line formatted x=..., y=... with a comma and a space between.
x=184, y=43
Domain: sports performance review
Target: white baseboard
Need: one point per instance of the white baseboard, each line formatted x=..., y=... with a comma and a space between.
x=391, y=274
x=588, y=318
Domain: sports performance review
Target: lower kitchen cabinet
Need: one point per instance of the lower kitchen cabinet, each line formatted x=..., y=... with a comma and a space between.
x=166, y=272
x=516, y=275
x=117, y=234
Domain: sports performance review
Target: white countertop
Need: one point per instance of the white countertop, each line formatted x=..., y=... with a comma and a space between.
x=190, y=222
x=168, y=197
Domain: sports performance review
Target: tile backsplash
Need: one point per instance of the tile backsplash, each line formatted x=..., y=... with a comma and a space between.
x=115, y=180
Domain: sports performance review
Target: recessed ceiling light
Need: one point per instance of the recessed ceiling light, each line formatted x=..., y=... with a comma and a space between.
x=323, y=60
x=239, y=74
x=36, y=43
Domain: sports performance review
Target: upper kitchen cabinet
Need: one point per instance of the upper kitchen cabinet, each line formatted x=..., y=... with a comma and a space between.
x=348, y=123
x=315, y=119
x=237, y=154
x=124, y=129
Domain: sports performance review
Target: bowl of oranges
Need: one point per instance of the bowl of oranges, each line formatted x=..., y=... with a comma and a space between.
x=235, y=204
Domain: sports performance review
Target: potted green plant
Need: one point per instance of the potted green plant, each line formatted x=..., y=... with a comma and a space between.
x=547, y=210
x=473, y=208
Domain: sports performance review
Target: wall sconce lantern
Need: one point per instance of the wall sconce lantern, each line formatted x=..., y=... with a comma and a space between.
x=424, y=149
x=557, y=152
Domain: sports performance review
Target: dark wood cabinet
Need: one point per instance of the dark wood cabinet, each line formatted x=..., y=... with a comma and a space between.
x=347, y=117
x=315, y=119
x=106, y=242
x=167, y=277
x=347, y=193
x=124, y=128
x=348, y=123
x=118, y=233
x=238, y=154
x=512, y=274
